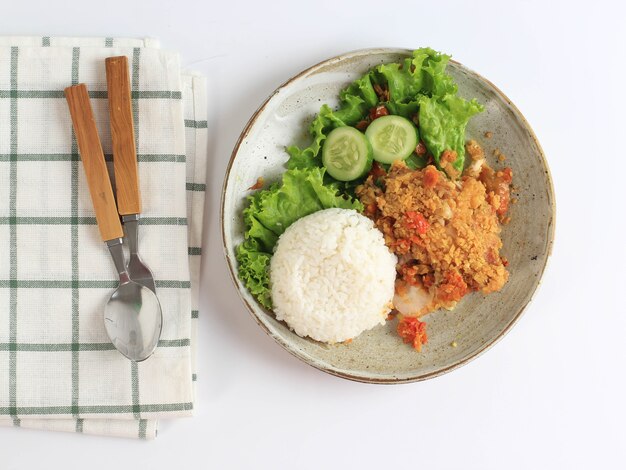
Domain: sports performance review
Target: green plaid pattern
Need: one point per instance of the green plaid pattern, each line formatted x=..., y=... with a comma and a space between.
x=58, y=371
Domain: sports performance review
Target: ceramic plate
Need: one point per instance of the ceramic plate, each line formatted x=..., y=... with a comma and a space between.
x=478, y=321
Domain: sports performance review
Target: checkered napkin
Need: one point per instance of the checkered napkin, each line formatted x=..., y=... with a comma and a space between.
x=58, y=369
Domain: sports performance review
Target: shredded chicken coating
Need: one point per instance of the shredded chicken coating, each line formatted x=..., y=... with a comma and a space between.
x=445, y=233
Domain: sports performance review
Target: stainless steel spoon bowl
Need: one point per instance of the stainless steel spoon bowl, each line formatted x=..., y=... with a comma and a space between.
x=132, y=316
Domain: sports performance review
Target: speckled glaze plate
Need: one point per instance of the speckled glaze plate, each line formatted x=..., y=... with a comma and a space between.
x=479, y=321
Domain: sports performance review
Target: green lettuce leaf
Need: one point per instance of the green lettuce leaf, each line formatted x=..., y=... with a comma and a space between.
x=422, y=74
x=271, y=211
x=323, y=123
x=265, y=238
x=407, y=110
x=442, y=125
x=435, y=80
x=362, y=88
x=254, y=270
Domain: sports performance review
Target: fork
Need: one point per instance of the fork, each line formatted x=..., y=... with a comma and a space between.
x=125, y=164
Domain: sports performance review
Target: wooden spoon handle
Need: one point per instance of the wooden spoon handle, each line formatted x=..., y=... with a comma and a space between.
x=93, y=161
x=123, y=136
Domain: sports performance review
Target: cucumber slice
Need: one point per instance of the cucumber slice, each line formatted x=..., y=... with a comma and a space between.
x=392, y=138
x=346, y=154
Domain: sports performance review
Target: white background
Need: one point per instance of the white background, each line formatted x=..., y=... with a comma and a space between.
x=551, y=394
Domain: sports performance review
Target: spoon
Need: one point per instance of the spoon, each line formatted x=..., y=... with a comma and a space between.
x=132, y=316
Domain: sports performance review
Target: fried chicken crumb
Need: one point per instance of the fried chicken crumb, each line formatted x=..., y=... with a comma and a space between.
x=445, y=233
x=258, y=185
x=499, y=155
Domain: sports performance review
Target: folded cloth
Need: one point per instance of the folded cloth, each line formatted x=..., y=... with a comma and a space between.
x=58, y=369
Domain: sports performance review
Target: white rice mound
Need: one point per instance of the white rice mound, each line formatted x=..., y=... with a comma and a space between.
x=332, y=276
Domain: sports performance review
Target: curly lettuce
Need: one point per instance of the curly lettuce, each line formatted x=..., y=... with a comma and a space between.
x=416, y=88
x=442, y=125
x=301, y=192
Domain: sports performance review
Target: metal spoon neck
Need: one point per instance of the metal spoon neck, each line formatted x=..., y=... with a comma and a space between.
x=131, y=223
x=117, y=253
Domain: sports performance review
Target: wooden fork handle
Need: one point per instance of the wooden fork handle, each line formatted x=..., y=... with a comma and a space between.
x=123, y=136
x=93, y=161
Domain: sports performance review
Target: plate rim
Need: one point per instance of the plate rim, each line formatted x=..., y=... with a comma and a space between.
x=231, y=264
